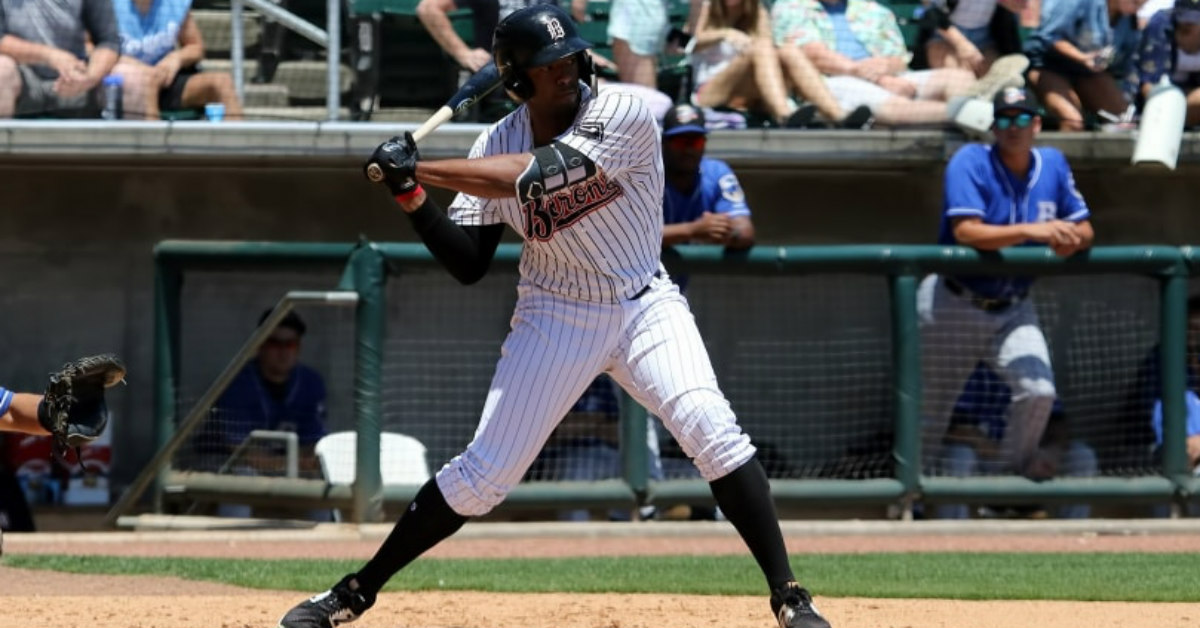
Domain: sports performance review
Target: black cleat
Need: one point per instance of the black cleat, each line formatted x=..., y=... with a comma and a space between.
x=337, y=606
x=793, y=608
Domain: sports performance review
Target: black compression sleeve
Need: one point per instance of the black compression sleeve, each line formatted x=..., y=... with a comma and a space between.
x=465, y=251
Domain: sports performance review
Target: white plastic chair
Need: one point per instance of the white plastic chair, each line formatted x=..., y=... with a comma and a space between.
x=401, y=459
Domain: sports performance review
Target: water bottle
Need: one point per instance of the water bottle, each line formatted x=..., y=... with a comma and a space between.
x=112, y=87
x=1161, y=130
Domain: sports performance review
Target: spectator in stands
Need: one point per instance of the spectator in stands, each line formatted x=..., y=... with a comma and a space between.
x=1082, y=59
x=485, y=14
x=1170, y=46
x=434, y=15
x=973, y=443
x=638, y=29
x=273, y=392
x=158, y=75
x=971, y=34
x=859, y=46
x=965, y=319
x=45, y=69
x=735, y=65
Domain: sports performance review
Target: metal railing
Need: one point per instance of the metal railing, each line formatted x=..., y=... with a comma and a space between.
x=330, y=39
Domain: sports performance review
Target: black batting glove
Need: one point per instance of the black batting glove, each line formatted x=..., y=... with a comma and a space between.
x=396, y=160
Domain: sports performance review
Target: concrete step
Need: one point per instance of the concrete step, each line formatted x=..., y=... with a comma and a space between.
x=301, y=79
x=269, y=95
x=306, y=79
x=216, y=29
x=249, y=67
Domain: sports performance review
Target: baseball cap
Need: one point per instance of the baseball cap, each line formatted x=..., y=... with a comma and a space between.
x=1187, y=11
x=682, y=119
x=292, y=321
x=1015, y=98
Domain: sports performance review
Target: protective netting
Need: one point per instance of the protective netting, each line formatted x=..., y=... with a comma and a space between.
x=805, y=361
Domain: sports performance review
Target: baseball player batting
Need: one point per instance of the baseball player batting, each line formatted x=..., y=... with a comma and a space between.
x=580, y=177
x=1009, y=193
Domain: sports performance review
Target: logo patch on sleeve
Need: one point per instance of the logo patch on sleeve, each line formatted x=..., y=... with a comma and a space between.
x=590, y=130
x=731, y=189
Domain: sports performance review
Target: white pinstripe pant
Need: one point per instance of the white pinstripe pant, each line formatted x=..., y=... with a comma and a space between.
x=557, y=345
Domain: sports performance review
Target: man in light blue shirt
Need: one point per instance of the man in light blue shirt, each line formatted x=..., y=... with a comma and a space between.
x=1010, y=193
x=161, y=49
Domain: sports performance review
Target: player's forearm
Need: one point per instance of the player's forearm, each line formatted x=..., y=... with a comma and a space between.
x=22, y=415
x=956, y=39
x=1086, y=234
x=488, y=177
x=101, y=63
x=742, y=235
x=1070, y=51
x=442, y=31
x=466, y=252
x=190, y=55
x=828, y=61
x=25, y=52
x=990, y=237
x=679, y=233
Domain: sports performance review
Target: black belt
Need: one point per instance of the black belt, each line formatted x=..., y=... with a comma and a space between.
x=641, y=293
x=983, y=303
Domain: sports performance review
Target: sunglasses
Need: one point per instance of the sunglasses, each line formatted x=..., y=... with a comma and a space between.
x=1019, y=120
x=687, y=142
x=282, y=343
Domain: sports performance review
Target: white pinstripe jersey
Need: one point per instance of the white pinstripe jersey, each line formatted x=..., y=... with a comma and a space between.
x=596, y=239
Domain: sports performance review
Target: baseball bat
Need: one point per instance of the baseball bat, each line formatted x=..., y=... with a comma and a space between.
x=479, y=85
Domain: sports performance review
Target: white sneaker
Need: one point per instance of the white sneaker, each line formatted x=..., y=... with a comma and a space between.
x=971, y=115
x=1007, y=71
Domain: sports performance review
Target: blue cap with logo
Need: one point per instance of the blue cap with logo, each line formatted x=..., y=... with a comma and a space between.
x=1187, y=11
x=1015, y=99
x=682, y=119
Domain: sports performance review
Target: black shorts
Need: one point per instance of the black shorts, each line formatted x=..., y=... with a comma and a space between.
x=1054, y=62
x=170, y=98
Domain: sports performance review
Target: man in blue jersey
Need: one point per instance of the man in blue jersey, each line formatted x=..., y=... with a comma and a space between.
x=1007, y=194
x=273, y=392
x=702, y=201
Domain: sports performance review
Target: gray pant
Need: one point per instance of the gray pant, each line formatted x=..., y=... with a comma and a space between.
x=955, y=336
x=38, y=98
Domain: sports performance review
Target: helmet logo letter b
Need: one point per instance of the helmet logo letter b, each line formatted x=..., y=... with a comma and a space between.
x=555, y=29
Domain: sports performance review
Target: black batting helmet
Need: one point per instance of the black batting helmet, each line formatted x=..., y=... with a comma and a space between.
x=532, y=37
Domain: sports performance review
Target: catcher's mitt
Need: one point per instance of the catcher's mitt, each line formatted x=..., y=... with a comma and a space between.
x=73, y=408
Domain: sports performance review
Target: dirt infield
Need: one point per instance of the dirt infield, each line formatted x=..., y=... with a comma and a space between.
x=36, y=599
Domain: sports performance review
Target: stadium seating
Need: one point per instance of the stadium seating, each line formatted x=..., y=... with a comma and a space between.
x=415, y=75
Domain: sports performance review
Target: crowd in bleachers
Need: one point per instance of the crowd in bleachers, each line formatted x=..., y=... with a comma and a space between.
x=844, y=64
x=861, y=63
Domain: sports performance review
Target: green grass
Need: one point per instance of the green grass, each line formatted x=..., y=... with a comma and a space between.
x=1113, y=577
